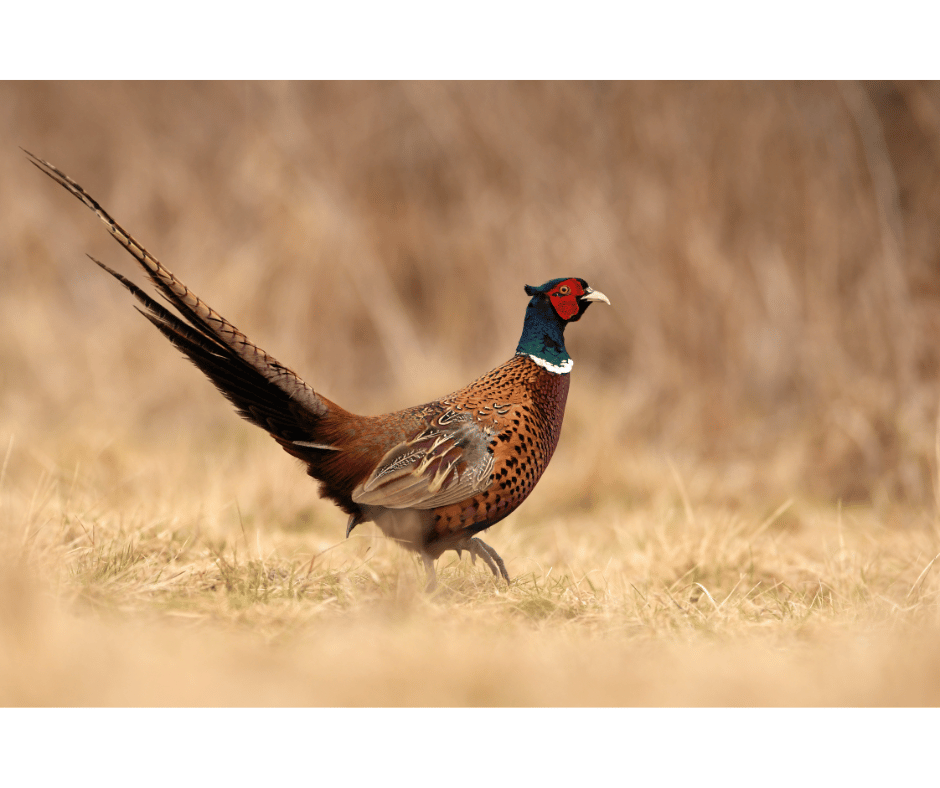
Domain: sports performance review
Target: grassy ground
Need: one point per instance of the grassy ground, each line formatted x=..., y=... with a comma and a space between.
x=158, y=583
x=742, y=507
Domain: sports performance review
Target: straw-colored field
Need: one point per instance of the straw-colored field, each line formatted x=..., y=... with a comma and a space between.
x=743, y=506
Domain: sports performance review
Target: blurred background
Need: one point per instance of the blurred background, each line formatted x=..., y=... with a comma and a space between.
x=770, y=251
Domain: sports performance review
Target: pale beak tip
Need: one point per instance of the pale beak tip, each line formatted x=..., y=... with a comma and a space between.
x=595, y=295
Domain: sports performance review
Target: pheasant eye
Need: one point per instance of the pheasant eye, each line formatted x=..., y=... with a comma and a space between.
x=564, y=290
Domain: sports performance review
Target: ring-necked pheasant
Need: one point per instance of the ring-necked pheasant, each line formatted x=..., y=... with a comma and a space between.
x=430, y=476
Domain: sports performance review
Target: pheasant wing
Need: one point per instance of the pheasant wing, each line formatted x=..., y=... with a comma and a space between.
x=449, y=461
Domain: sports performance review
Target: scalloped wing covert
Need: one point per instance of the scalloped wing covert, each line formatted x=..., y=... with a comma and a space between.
x=447, y=462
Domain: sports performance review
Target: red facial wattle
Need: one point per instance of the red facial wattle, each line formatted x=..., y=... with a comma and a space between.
x=564, y=297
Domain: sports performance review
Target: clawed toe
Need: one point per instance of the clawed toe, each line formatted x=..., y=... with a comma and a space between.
x=479, y=548
x=476, y=548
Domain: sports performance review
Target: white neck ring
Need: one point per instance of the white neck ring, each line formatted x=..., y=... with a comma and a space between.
x=558, y=369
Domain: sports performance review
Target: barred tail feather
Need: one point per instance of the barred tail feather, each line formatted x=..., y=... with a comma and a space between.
x=203, y=322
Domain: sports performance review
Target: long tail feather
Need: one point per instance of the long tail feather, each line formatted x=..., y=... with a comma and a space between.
x=201, y=317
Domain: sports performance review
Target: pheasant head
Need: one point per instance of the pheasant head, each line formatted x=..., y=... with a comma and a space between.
x=552, y=306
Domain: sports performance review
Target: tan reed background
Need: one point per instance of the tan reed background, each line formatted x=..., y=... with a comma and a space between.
x=772, y=255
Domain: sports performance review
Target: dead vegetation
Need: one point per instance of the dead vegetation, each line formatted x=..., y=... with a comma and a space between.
x=742, y=507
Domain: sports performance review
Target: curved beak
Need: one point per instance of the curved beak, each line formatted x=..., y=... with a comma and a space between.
x=595, y=295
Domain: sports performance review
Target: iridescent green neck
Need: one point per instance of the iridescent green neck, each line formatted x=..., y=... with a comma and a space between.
x=543, y=338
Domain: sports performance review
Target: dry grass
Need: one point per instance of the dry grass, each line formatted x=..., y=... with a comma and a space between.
x=174, y=592
x=742, y=508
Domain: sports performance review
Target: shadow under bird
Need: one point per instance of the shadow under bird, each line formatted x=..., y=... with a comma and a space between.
x=431, y=476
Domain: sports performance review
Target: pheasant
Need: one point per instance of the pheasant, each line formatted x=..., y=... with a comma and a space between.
x=431, y=476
